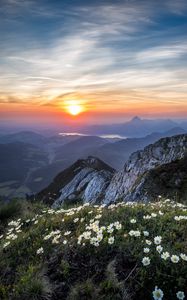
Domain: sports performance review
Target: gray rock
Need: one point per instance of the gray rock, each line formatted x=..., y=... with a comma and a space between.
x=164, y=151
x=91, y=179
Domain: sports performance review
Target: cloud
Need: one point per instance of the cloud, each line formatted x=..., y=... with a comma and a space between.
x=164, y=52
x=103, y=56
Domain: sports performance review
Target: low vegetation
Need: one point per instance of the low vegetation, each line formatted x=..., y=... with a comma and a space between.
x=124, y=251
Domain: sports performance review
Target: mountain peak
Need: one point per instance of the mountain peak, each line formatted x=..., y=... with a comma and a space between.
x=136, y=119
x=85, y=179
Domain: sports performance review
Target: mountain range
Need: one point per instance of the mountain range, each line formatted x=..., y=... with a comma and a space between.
x=40, y=158
x=158, y=169
x=136, y=127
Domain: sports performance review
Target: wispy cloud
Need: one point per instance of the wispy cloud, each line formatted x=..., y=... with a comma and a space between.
x=164, y=52
x=105, y=54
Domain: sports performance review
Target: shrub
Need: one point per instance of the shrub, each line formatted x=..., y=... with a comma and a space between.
x=33, y=285
x=10, y=210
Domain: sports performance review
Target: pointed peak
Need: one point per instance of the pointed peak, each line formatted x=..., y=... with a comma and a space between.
x=136, y=119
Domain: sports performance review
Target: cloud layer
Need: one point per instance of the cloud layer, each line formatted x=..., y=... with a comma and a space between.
x=111, y=55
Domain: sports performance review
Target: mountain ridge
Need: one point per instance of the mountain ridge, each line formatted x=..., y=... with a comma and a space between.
x=163, y=151
x=122, y=184
x=81, y=174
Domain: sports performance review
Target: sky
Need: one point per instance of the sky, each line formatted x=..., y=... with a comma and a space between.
x=115, y=59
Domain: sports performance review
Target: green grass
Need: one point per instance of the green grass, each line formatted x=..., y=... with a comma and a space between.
x=47, y=258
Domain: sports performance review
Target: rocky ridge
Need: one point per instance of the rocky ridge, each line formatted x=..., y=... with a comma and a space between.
x=133, y=174
x=85, y=180
x=93, y=181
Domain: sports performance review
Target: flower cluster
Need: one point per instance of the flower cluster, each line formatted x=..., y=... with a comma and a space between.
x=88, y=225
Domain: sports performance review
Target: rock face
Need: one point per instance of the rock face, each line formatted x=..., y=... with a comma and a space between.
x=133, y=174
x=168, y=180
x=85, y=180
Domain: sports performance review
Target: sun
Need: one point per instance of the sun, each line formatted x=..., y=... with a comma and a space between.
x=74, y=108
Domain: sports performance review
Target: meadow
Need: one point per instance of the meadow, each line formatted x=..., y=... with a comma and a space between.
x=123, y=251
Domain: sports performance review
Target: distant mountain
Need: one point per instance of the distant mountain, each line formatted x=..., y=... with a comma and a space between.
x=17, y=160
x=159, y=169
x=136, y=127
x=27, y=137
x=183, y=125
x=29, y=167
x=42, y=158
x=85, y=179
x=116, y=154
x=80, y=148
x=36, y=139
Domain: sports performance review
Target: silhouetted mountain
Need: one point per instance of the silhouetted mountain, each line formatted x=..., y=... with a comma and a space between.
x=28, y=137
x=20, y=175
x=33, y=138
x=81, y=147
x=17, y=160
x=136, y=127
x=183, y=125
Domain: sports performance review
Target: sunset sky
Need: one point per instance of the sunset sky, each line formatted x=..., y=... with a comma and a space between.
x=113, y=59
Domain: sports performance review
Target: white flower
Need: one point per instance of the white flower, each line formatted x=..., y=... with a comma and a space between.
x=111, y=240
x=76, y=220
x=14, y=223
x=117, y=225
x=65, y=242
x=175, y=259
x=146, y=261
x=110, y=228
x=133, y=221
x=12, y=237
x=99, y=237
x=157, y=240
x=158, y=294
x=135, y=233
x=147, y=217
x=153, y=215
x=98, y=216
x=103, y=228
x=180, y=295
x=159, y=249
x=56, y=239
x=146, y=250
x=40, y=251
x=165, y=255
x=67, y=233
x=146, y=233
x=6, y=244
x=86, y=234
x=148, y=242
x=183, y=256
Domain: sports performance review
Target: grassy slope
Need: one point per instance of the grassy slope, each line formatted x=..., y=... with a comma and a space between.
x=84, y=271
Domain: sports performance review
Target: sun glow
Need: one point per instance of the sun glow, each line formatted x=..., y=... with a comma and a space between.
x=74, y=108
